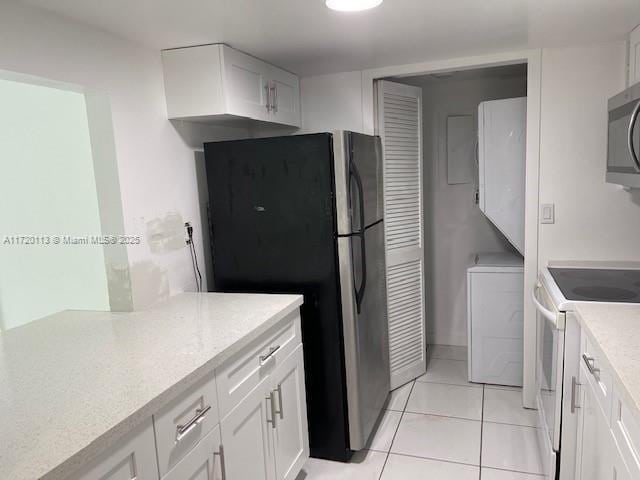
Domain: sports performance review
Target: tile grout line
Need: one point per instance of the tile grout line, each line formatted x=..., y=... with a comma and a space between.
x=386, y=459
x=481, y=432
x=480, y=420
x=442, y=460
x=468, y=385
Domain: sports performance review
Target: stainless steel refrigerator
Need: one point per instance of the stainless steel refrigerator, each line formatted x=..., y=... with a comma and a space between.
x=304, y=214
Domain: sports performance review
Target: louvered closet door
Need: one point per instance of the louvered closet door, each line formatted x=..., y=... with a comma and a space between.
x=400, y=126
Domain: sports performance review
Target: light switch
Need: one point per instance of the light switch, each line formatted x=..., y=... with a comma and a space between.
x=547, y=213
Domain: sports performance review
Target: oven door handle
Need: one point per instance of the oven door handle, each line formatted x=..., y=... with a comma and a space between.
x=548, y=314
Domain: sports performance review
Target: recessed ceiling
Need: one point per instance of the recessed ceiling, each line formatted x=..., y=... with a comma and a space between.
x=307, y=38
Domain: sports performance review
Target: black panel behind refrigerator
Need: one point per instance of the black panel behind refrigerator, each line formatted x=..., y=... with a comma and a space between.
x=273, y=224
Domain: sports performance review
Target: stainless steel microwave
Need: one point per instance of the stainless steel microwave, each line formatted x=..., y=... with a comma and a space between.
x=623, y=151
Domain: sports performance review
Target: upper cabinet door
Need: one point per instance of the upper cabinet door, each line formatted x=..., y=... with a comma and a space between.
x=247, y=436
x=291, y=437
x=246, y=85
x=634, y=56
x=285, y=97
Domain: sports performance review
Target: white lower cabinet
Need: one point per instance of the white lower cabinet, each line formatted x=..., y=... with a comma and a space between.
x=594, y=437
x=605, y=440
x=133, y=458
x=290, y=434
x=262, y=434
x=269, y=427
x=204, y=462
x=619, y=470
x=246, y=436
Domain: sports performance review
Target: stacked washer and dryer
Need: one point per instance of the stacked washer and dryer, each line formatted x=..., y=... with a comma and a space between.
x=495, y=282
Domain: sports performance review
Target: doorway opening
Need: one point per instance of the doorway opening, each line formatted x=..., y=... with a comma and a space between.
x=467, y=129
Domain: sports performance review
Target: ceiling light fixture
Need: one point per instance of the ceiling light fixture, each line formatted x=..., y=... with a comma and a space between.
x=352, y=5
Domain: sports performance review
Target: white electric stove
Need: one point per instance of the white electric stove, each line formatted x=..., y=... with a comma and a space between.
x=561, y=285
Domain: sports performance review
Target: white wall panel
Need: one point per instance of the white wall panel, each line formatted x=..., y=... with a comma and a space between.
x=156, y=160
x=594, y=220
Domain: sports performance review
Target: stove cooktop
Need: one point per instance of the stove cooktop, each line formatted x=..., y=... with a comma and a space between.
x=598, y=285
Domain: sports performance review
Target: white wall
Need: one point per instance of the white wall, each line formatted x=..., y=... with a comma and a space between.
x=48, y=188
x=594, y=220
x=331, y=102
x=156, y=162
x=455, y=228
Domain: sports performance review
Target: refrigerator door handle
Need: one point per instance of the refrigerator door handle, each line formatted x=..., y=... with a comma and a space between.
x=355, y=175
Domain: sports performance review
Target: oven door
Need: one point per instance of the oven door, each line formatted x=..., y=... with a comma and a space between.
x=549, y=374
x=623, y=151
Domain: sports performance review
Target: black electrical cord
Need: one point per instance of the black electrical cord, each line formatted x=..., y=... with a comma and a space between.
x=193, y=265
x=194, y=257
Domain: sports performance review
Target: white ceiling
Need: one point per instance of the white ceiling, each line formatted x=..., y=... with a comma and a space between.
x=307, y=38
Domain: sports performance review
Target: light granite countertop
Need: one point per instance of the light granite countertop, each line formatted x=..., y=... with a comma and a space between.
x=616, y=329
x=74, y=383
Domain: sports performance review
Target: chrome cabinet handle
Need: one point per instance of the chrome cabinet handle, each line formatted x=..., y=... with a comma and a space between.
x=591, y=366
x=274, y=105
x=272, y=405
x=630, y=145
x=223, y=469
x=280, y=410
x=182, y=430
x=574, y=388
x=267, y=87
x=272, y=351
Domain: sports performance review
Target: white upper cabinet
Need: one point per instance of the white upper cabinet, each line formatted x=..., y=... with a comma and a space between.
x=246, y=84
x=212, y=83
x=634, y=56
x=285, y=97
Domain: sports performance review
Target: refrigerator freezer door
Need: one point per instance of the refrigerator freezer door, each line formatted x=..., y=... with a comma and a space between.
x=358, y=164
x=366, y=339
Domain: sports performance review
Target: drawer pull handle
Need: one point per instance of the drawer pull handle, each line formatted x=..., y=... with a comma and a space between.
x=280, y=410
x=272, y=351
x=590, y=363
x=272, y=405
x=223, y=469
x=182, y=430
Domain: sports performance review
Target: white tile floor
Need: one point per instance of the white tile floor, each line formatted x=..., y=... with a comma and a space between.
x=442, y=427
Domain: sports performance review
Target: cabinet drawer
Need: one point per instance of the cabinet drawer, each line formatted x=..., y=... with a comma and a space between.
x=132, y=458
x=626, y=430
x=245, y=370
x=181, y=424
x=598, y=374
x=204, y=462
